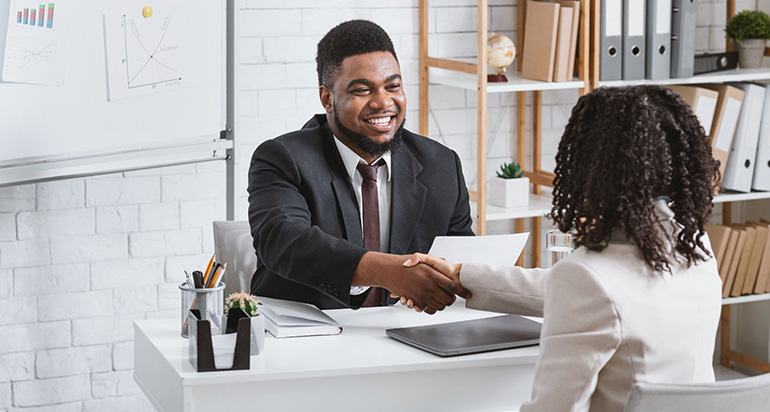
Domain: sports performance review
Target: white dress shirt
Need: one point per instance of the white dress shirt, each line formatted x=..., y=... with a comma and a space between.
x=351, y=160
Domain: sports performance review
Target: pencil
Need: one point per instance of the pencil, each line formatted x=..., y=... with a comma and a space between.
x=208, y=269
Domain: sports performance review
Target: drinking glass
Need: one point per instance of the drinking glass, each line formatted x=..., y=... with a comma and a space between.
x=558, y=245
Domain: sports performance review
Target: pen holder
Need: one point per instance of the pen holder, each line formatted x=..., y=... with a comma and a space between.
x=201, y=348
x=210, y=303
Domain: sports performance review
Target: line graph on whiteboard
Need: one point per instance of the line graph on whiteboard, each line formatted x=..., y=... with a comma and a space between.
x=145, y=55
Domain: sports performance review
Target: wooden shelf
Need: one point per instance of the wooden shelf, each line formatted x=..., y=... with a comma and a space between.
x=737, y=75
x=515, y=82
x=746, y=299
x=739, y=197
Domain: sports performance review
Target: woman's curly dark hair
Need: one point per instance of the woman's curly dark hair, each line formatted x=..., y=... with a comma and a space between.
x=622, y=148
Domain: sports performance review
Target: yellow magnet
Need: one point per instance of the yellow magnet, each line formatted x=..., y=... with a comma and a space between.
x=147, y=12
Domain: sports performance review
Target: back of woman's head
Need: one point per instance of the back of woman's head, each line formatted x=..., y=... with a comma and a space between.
x=622, y=149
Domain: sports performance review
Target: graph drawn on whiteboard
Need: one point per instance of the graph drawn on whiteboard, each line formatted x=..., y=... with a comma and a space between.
x=144, y=55
x=32, y=44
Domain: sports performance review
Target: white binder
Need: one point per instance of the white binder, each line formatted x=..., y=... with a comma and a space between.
x=739, y=171
x=611, y=43
x=761, y=179
x=634, y=44
x=658, y=39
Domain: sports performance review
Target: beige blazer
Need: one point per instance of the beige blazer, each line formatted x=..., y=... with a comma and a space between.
x=609, y=321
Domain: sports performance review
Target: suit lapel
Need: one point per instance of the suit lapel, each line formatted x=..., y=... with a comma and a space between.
x=342, y=188
x=407, y=200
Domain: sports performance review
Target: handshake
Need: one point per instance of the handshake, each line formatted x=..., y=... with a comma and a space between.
x=424, y=283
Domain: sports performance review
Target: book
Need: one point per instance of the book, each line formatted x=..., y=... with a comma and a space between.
x=719, y=236
x=743, y=266
x=752, y=275
x=763, y=274
x=540, y=30
x=735, y=258
x=575, y=5
x=563, y=38
x=724, y=265
x=287, y=319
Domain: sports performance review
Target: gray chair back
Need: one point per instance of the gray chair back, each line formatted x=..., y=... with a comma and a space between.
x=233, y=245
x=738, y=395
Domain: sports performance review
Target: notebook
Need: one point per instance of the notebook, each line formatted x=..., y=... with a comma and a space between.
x=470, y=336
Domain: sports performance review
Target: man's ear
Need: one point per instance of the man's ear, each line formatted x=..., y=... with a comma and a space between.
x=327, y=99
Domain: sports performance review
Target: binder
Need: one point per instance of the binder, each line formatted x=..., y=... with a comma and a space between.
x=563, y=38
x=702, y=101
x=743, y=265
x=763, y=277
x=634, y=43
x=752, y=276
x=575, y=5
x=658, y=39
x=725, y=121
x=743, y=151
x=726, y=264
x=729, y=282
x=683, y=20
x=719, y=236
x=540, y=30
x=761, y=179
x=611, y=41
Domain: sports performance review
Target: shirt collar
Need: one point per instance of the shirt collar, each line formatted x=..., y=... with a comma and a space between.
x=350, y=159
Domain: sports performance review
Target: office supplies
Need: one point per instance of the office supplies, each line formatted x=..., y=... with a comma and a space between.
x=634, y=43
x=727, y=285
x=501, y=250
x=209, y=278
x=540, y=31
x=703, y=102
x=200, y=346
x=209, y=301
x=611, y=41
x=658, y=39
x=725, y=121
x=745, y=259
x=286, y=319
x=575, y=5
x=752, y=275
x=470, y=336
x=714, y=62
x=217, y=277
x=761, y=179
x=197, y=279
x=212, y=261
x=683, y=20
x=563, y=39
x=739, y=170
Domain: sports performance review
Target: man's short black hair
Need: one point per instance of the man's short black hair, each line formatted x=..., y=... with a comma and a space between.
x=349, y=39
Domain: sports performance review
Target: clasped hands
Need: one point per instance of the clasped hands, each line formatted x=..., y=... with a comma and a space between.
x=450, y=271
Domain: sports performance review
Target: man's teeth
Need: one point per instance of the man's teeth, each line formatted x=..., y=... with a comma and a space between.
x=380, y=121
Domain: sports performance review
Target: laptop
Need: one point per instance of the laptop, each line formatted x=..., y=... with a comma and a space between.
x=470, y=336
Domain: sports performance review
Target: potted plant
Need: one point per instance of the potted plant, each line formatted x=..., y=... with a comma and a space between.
x=510, y=188
x=249, y=304
x=749, y=30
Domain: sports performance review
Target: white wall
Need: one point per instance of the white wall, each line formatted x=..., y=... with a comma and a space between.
x=81, y=259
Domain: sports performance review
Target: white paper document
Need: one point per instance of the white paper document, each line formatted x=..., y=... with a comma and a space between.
x=285, y=319
x=34, y=43
x=501, y=250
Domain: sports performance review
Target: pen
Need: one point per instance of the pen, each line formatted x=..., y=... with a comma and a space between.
x=208, y=268
x=217, y=276
x=197, y=279
x=210, y=278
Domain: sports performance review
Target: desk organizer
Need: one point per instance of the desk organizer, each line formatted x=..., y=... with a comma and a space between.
x=201, y=350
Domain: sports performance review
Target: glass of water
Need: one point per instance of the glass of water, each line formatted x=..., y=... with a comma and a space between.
x=558, y=245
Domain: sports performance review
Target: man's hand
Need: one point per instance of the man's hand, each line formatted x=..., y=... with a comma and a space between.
x=428, y=288
x=450, y=270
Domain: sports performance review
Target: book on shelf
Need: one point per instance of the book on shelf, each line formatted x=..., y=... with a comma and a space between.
x=561, y=56
x=763, y=278
x=745, y=259
x=726, y=116
x=736, y=258
x=288, y=319
x=752, y=276
x=540, y=32
x=573, y=50
x=719, y=236
x=725, y=264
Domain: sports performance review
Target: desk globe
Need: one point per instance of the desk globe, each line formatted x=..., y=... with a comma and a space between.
x=500, y=54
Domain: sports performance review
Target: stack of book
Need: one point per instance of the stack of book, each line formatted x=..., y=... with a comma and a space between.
x=742, y=252
x=550, y=40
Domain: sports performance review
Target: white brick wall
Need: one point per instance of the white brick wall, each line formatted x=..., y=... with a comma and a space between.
x=81, y=259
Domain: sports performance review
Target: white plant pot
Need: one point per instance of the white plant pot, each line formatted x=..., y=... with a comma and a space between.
x=257, y=334
x=750, y=52
x=509, y=192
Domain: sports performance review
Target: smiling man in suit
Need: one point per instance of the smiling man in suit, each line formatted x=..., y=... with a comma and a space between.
x=335, y=207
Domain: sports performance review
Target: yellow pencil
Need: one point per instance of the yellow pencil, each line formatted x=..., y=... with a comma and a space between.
x=208, y=269
x=218, y=275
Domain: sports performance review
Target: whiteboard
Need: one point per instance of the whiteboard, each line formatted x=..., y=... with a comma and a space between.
x=74, y=129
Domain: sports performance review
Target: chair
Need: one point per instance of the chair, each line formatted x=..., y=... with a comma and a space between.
x=233, y=245
x=738, y=395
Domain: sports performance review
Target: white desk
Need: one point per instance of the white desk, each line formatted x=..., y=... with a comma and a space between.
x=336, y=373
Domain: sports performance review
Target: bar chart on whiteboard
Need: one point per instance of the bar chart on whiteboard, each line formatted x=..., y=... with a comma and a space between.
x=33, y=44
x=145, y=51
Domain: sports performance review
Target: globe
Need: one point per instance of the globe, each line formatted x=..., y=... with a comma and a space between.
x=500, y=54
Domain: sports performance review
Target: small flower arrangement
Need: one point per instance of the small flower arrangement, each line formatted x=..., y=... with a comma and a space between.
x=510, y=171
x=244, y=301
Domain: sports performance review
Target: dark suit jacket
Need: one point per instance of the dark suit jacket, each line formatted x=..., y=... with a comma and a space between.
x=304, y=214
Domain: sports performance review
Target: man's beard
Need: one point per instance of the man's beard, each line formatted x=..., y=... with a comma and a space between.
x=368, y=145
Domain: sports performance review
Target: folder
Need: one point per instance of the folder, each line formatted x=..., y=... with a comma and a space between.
x=611, y=41
x=763, y=276
x=658, y=39
x=634, y=43
x=575, y=5
x=702, y=101
x=761, y=179
x=726, y=264
x=540, y=29
x=719, y=236
x=743, y=151
x=683, y=20
x=563, y=38
x=744, y=250
x=752, y=276
x=725, y=121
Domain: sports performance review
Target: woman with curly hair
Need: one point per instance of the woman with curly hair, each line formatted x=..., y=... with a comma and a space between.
x=639, y=299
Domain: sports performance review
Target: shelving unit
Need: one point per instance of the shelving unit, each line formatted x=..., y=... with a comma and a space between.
x=473, y=76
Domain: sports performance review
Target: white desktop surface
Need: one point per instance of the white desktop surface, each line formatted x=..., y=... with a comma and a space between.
x=360, y=369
